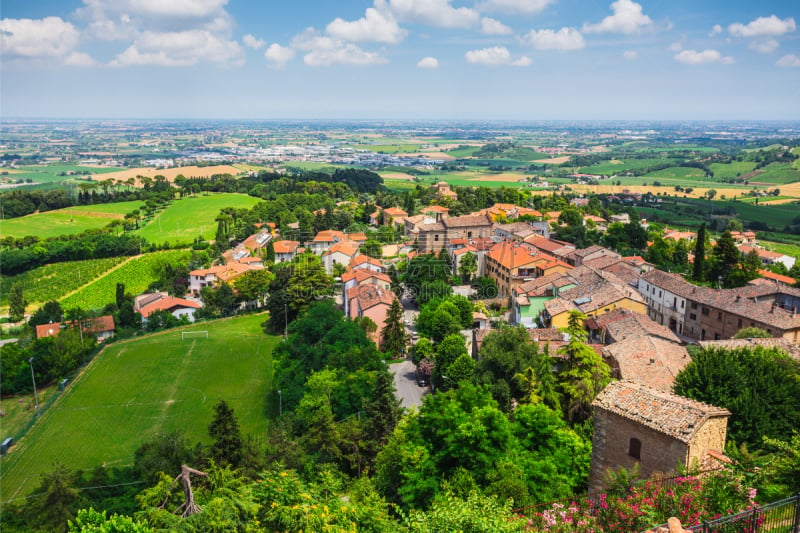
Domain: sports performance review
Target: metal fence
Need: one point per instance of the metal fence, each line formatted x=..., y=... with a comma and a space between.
x=782, y=516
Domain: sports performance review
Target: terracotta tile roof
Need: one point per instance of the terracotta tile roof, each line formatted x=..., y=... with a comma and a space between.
x=465, y=249
x=595, y=218
x=680, y=235
x=363, y=274
x=466, y=221
x=347, y=248
x=547, y=245
x=762, y=253
x=285, y=247
x=775, y=342
x=356, y=237
x=623, y=323
x=250, y=260
x=395, y=212
x=545, y=284
x=777, y=277
x=435, y=209
x=651, y=361
x=667, y=413
x=167, y=304
x=513, y=255
x=521, y=211
x=90, y=325
x=593, y=249
x=329, y=235
x=369, y=296
x=552, y=215
x=361, y=259
x=434, y=226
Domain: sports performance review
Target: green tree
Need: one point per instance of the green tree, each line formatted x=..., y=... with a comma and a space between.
x=467, y=267
x=48, y=313
x=269, y=252
x=585, y=375
x=725, y=262
x=699, y=267
x=393, y=335
x=58, y=501
x=447, y=351
x=423, y=349
x=91, y=521
x=16, y=303
x=475, y=513
x=224, y=429
x=120, y=295
x=752, y=333
x=253, y=286
x=372, y=248
x=381, y=412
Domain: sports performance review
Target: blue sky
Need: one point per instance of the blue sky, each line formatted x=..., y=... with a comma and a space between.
x=406, y=59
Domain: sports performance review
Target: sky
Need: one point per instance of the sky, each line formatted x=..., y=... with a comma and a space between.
x=401, y=59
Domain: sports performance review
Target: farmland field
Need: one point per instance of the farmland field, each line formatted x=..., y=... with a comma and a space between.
x=732, y=169
x=137, y=274
x=52, y=282
x=189, y=217
x=678, y=173
x=389, y=148
x=51, y=173
x=617, y=166
x=172, y=173
x=153, y=385
x=778, y=173
x=67, y=221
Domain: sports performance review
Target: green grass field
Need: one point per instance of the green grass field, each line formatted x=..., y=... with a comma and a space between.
x=732, y=169
x=782, y=248
x=52, y=282
x=189, y=217
x=153, y=385
x=389, y=148
x=466, y=151
x=67, y=221
x=778, y=174
x=137, y=274
x=619, y=166
x=51, y=173
x=678, y=173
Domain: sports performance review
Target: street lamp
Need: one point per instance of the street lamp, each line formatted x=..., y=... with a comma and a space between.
x=35, y=394
x=280, y=403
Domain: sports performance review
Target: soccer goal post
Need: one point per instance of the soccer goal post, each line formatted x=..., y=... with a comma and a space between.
x=193, y=334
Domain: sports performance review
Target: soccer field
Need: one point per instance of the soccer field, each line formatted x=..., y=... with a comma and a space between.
x=137, y=389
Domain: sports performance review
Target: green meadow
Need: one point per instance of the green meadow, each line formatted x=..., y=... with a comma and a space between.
x=137, y=389
x=67, y=221
x=53, y=173
x=618, y=166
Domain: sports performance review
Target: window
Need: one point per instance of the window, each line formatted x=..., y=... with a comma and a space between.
x=635, y=448
x=705, y=311
x=469, y=234
x=435, y=237
x=694, y=305
x=683, y=303
x=692, y=316
x=717, y=336
x=739, y=324
x=719, y=315
x=659, y=294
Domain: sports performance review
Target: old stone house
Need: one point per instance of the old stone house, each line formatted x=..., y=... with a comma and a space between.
x=635, y=424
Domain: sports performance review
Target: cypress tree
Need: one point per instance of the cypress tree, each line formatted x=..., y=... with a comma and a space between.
x=698, y=270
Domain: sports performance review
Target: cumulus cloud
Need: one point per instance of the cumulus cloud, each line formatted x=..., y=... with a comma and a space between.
x=253, y=42
x=175, y=49
x=716, y=29
x=764, y=46
x=628, y=19
x=79, y=59
x=375, y=26
x=32, y=38
x=439, y=13
x=491, y=26
x=563, y=39
x=495, y=55
x=675, y=47
x=694, y=57
x=428, y=63
x=630, y=55
x=279, y=55
x=323, y=51
x=789, y=60
x=770, y=26
x=525, y=7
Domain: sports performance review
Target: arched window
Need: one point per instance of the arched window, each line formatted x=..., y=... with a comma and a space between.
x=635, y=448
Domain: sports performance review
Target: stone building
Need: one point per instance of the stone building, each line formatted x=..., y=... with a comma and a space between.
x=658, y=430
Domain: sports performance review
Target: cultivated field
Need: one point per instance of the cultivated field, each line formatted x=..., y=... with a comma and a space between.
x=137, y=389
x=617, y=166
x=67, y=221
x=137, y=273
x=189, y=217
x=170, y=173
x=53, y=282
x=58, y=172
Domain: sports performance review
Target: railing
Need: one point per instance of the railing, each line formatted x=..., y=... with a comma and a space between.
x=782, y=516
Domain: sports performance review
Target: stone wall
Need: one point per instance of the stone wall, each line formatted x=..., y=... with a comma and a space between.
x=710, y=437
x=610, y=446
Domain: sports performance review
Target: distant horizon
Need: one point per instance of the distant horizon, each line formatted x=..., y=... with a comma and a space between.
x=403, y=120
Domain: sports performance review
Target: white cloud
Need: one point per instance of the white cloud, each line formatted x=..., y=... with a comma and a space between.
x=526, y=7
x=630, y=55
x=763, y=27
x=675, y=47
x=789, y=60
x=764, y=46
x=197, y=9
x=279, y=55
x=716, y=29
x=439, y=13
x=491, y=26
x=627, y=19
x=324, y=51
x=563, y=39
x=428, y=63
x=31, y=38
x=693, y=57
x=495, y=55
x=183, y=48
x=375, y=26
x=79, y=59
x=253, y=42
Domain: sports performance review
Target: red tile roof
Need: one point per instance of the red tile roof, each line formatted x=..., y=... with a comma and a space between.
x=90, y=325
x=651, y=361
x=285, y=247
x=513, y=255
x=168, y=304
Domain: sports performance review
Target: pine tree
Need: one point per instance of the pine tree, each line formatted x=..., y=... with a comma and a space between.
x=16, y=303
x=269, y=253
x=381, y=411
x=726, y=260
x=698, y=271
x=120, y=295
x=224, y=429
x=393, y=335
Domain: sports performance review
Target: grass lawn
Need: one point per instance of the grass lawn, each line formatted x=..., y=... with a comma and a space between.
x=189, y=217
x=20, y=409
x=52, y=282
x=153, y=385
x=732, y=169
x=67, y=221
x=136, y=273
x=782, y=248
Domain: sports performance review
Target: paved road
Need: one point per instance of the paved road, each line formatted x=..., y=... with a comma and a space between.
x=408, y=392
x=7, y=341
